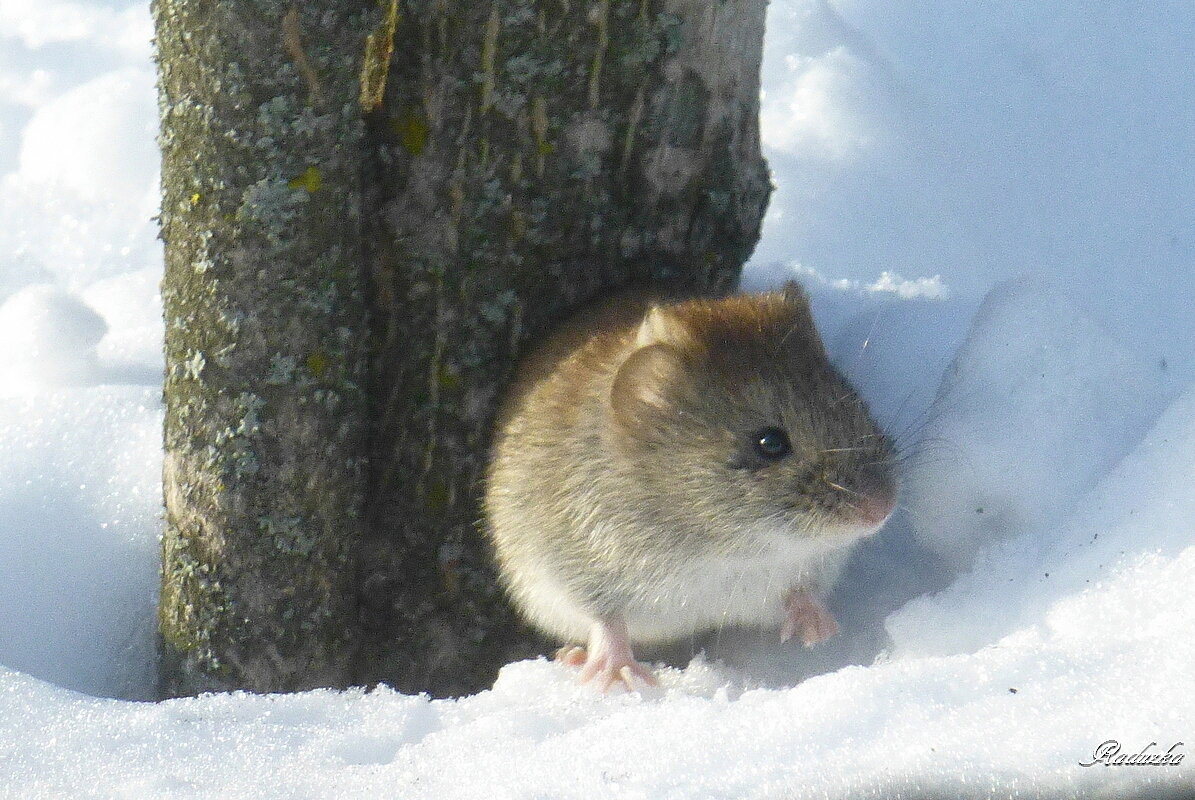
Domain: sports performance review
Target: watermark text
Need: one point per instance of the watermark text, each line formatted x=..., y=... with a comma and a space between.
x=1111, y=754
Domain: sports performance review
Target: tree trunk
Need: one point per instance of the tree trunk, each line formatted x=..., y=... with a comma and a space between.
x=265, y=302
x=532, y=156
x=518, y=158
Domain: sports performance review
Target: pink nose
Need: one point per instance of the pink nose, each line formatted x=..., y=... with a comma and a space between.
x=875, y=509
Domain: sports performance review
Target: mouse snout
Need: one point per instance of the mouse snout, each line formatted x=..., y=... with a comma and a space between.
x=874, y=509
x=877, y=496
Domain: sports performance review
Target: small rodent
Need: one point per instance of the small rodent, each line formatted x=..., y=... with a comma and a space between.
x=661, y=469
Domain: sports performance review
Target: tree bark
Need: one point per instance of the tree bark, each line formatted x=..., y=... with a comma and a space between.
x=532, y=156
x=265, y=303
x=356, y=255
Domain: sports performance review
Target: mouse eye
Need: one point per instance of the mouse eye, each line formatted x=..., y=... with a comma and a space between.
x=772, y=444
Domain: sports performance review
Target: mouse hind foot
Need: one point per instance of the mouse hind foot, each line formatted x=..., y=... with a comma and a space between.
x=608, y=658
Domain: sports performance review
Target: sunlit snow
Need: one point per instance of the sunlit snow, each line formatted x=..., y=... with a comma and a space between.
x=991, y=205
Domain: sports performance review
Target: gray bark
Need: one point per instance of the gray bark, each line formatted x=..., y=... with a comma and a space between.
x=265, y=302
x=533, y=156
x=355, y=258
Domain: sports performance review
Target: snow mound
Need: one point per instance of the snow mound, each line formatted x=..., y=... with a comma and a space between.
x=50, y=338
x=1037, y=405
x=79, y=204
x=1111, y=573
x=80, y=500
x=116, y=159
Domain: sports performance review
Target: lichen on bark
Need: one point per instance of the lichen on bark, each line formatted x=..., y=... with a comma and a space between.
x=265, y=303
x=530, y=156
x=355, y=260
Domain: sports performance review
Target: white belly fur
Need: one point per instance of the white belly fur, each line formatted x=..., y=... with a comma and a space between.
x=745, y=589
x=737, y=590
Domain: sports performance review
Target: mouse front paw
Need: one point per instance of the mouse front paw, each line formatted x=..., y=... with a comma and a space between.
x=808, y=618
x=608, y=659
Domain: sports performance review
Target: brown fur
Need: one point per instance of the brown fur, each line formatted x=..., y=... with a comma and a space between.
x=623, y=455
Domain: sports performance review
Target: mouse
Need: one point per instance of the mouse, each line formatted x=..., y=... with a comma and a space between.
x=662, y=467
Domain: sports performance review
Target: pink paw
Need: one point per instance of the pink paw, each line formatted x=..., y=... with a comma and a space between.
x=608, y=659
x=807, y=617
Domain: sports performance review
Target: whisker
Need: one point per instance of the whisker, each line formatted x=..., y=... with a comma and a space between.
x=871, y=332
x=841, y=488
x=852, y=506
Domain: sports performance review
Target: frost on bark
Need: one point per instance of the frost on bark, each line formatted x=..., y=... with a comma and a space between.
x=530, y=155
x=265, y=302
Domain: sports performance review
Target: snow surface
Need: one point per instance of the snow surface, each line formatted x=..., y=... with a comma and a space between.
x=991, y=206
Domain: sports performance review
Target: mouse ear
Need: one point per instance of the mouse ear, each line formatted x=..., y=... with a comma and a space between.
x=663, y=325
x=646, y=389
x=797, y=300
x=796, y=296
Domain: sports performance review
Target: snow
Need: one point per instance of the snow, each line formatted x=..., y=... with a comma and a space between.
x=1052, y=411
x=51, y=337
x=990, y=206
x=79, y=507
x=1112, y=571
x=979, y=141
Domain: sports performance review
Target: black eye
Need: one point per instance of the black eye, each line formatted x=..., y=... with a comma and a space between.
x=772, y=444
